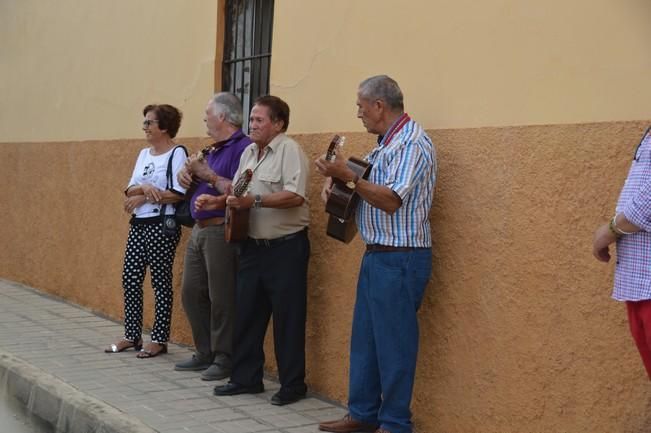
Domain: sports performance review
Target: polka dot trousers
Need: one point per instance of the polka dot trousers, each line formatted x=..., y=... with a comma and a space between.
x=147, y=245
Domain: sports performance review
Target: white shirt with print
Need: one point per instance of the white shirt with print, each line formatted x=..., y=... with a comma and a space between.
x=152, y=169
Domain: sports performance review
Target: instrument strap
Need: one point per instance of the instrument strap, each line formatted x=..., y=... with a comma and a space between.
x=394, y=129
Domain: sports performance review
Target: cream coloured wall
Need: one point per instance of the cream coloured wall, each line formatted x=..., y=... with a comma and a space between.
x=465, y=63
x=77, y=70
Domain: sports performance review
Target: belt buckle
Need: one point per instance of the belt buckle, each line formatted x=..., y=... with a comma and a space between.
x=262, y=242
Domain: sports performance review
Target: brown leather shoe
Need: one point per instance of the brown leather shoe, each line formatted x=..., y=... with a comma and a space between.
x=347, y=425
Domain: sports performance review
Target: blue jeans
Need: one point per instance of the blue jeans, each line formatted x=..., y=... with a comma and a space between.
x=384, y=342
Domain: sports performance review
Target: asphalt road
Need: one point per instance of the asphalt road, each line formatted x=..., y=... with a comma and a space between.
x=14, y=418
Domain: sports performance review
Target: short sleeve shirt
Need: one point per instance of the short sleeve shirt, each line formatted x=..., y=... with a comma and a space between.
x=152, y=169
x=283, y=166
x=224, y=161
x=405, y=162
x=633, y=268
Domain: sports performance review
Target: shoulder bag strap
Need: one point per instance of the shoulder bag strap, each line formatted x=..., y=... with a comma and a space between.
x=169, y=174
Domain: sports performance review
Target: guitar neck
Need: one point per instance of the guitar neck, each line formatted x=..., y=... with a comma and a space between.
x=330, y=154
x=336, y=142
x=242, y=183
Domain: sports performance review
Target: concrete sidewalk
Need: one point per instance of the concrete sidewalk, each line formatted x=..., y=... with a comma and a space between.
x=65, y=344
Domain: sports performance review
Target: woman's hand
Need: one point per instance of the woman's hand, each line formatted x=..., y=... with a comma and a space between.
x=151, y=193
x=131, y=203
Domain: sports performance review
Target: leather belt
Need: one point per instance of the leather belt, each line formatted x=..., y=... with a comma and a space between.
x=215, y=221
x=377, y=248
x=276, y=241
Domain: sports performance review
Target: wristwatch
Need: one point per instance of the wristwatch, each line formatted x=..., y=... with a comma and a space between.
x=353, y=183
x=257, y=202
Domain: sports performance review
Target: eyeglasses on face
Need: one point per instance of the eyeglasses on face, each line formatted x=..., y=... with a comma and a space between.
x=148, y=122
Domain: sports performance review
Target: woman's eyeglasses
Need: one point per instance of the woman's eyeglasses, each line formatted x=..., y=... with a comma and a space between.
x=148, y=122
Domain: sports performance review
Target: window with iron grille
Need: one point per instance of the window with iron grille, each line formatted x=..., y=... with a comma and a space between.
x=247, y=50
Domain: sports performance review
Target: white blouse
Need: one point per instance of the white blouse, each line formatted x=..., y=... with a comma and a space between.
x=152, y=169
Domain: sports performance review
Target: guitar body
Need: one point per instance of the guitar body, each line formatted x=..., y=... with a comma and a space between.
x=343, y=201
x=236, y=221
x=236, y=225
x=342, y=230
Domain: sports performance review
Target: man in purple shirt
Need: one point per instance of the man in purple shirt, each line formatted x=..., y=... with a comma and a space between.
x=630, y=227
x=208, y=286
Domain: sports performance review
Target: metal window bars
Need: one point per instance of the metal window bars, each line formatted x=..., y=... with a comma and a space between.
x=247, y=50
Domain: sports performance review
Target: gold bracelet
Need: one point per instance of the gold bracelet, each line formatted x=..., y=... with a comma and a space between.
x=611, y=227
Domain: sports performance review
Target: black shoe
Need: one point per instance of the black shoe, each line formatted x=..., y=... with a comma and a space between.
x=285, y=396
x=235, y=389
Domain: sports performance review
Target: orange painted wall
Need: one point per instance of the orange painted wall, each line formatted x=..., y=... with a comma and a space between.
x=518, y=333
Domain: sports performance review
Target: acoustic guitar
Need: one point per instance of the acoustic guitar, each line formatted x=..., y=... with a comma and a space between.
x=236, y=223
x=343, y=200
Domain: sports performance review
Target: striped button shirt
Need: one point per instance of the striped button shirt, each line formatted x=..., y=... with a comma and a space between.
x=633, y=268
x=405, y=162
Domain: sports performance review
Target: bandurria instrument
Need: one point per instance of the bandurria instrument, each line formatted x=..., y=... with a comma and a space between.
x=236, y=224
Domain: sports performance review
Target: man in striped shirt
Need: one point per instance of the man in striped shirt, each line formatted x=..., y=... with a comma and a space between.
x=393, y=220
x=630, y=227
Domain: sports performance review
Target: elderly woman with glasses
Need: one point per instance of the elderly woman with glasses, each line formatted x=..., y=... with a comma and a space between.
x=150, y=196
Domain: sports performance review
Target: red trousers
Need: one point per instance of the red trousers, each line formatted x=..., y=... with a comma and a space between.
x=639, y=320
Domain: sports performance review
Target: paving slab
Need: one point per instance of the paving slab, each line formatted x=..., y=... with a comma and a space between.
x=51, y=357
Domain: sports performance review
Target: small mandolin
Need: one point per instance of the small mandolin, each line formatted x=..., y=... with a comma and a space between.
x=236, y=224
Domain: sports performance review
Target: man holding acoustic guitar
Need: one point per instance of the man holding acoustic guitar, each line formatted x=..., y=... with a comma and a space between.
x=272, y=275
x=392, y=217
x=208, y=286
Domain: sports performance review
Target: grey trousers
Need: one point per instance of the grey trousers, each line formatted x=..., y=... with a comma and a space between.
x=208, y=292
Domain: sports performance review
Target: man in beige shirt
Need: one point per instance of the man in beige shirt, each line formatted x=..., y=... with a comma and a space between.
x=272, y=275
